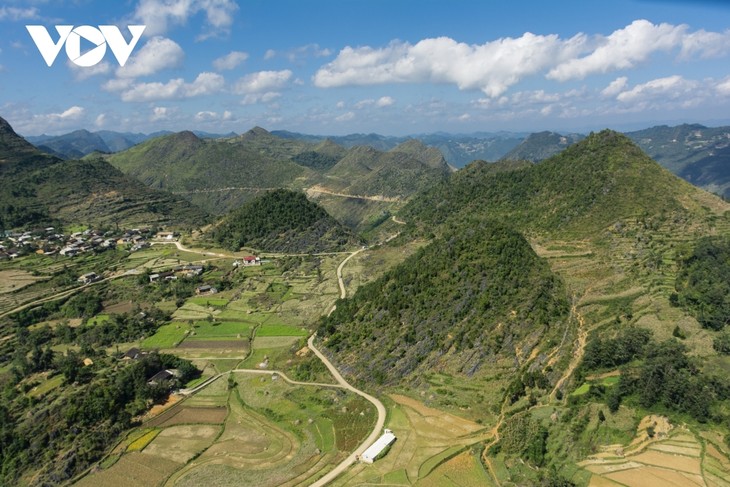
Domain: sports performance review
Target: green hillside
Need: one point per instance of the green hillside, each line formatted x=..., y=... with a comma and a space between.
x=38, y=189
x=589, y=186
x=459, y=303
x=283, y=221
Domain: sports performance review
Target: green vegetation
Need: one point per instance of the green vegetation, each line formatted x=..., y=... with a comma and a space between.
x=283, y=221
x=465, y=291
x=38, y=190
x=78, y=421
x=703, y=283
x=610, y=179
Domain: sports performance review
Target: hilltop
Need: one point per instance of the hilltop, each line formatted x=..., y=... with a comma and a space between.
x=38, y=189
x=283, y=221
x=592, y=184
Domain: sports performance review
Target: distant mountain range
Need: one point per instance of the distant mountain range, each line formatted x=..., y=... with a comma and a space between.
x=696, y=153
x=80, y=143
x=38, y=189
x=356, y=185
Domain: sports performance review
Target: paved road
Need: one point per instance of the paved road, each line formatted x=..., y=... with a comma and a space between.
x=377, y=430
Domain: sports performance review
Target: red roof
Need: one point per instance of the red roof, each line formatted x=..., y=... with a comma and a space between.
x=249, y=258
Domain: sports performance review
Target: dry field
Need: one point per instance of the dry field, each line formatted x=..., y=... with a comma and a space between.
x=15, y=279
x=673, y=457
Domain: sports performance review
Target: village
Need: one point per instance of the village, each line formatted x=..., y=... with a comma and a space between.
x=48, y=241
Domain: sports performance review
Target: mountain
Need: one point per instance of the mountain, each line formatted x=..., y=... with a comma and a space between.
x=283, y=221
x=539, y=146
x=36, y=188
x=460, y=304
x=698, y=154
x=218, y=175
x=355, y=185
x=590, y=185
x=457, y=149
x=80, y=143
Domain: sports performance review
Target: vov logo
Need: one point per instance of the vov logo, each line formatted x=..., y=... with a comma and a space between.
x=105, y=35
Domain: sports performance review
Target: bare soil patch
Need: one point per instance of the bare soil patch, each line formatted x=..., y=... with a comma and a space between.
x=675, y=462
x=120, y=308
x=14, y=279
x=655, y=477
x=438, y=420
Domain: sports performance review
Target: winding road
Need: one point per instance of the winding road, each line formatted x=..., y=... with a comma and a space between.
x=345, y=464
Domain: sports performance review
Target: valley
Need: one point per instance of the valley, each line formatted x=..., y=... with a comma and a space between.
x=511, y=323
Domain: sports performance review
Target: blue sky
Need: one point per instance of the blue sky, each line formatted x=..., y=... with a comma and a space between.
x=393, y=67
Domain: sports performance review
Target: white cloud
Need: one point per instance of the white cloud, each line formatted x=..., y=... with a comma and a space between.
x=157, y=54
x=671, y=87
x=723, y=87
x=208, y=116
x=117, y=84
x=298, y=54
x=28, y=123
x=175, y=89
x=705, y=44
x=15, y=14
x=205, y=116
x=623, y=49
x=160, y=15
x=253, y=98
x=384, y=101
x=262, y=81
x=491, y=67
x=495, y=66
x=87, y=72
x=160, y=113
x=615, y=87
x=364, y=103
x=345, y=117
x=340, y=104
x=100, y=120
x=230, y=60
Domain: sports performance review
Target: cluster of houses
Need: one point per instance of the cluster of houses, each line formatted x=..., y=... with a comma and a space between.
x=184, y=271
x=48, y=241
x=165, y=375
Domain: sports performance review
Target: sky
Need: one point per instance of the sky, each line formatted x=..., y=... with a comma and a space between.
x=396, y=67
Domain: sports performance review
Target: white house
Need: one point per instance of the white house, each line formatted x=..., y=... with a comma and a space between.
x=378, y=447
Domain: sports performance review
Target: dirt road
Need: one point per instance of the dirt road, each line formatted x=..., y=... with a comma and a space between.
x=377, y=430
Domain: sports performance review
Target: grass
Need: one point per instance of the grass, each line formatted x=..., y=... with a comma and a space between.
x=208, y=301
x=280, y=330
x=46, y=386
x=167, y=336
x=583, y=389
x=99, y=319
x=140, y=443
x=429, y=465
x=205, y=329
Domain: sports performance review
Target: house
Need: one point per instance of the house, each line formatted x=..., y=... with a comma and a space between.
x=205, y=289
x=89, y=278
x=251, y=260
x=154, y=277
x=163, y=376
x=191, y=270
x=166, y=235
x=133, y=353
x=379, y=447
